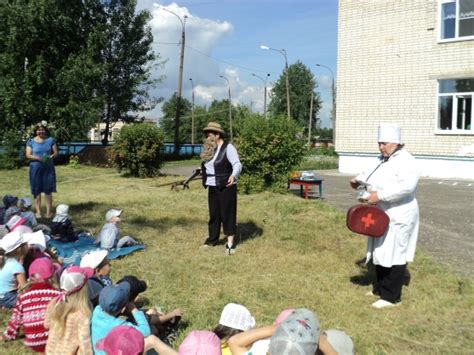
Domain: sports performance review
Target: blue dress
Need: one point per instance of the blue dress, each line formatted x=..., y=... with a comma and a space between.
x=42, y=174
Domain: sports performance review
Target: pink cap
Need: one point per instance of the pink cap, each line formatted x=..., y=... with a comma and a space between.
x=283, y=315
x=41, y=269
x=200, y=342
x=122, y=340
x=74, y=277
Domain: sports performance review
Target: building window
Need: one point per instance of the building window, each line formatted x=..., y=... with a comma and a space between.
x=455, y=105
x=457, y=19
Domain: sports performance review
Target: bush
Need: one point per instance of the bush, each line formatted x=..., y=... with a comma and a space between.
x=138, y=150
x=269, y=151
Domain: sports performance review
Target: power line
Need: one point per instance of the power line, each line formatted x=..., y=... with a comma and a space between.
x=218, y=60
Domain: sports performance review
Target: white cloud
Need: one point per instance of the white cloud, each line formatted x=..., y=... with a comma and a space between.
x=202, y=37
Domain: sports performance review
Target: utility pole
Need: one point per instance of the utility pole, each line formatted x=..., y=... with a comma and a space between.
x=192, y=113
x=310, y=119
x=230, y=107
x=180, y=79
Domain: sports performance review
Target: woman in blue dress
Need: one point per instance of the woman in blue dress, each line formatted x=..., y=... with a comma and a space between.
x=41, y=150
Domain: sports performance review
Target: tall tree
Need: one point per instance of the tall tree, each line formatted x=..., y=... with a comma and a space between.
x=302, y=84
x=169, y=115
x=46, y=72
x=126, y=54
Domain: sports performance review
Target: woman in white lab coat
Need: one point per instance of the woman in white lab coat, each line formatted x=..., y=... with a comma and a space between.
x=392, y=184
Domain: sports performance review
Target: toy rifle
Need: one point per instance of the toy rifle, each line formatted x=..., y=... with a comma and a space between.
x=196, y=174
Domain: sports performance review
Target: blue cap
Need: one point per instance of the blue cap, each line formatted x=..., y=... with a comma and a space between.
x=114, y=297
x=9, y=200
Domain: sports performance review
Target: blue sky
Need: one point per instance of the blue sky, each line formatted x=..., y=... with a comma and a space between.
x=224, y=38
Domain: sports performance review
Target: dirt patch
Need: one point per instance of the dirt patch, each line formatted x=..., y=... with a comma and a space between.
x=95, y=156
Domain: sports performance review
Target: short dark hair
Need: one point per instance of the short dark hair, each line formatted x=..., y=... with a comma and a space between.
x=224, y=332
x=38, y=126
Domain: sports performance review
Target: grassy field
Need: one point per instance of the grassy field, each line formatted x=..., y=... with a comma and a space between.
x=292, y=253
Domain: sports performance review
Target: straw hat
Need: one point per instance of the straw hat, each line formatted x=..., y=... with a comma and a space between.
x=213, y=127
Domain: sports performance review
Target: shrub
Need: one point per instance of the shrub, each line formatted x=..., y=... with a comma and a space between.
x=138, y=150
x=269, y=151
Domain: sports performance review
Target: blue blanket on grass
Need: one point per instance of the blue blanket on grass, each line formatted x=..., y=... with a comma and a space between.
x=72, y=253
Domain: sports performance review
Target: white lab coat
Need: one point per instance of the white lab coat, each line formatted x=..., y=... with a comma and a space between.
x=396, y=182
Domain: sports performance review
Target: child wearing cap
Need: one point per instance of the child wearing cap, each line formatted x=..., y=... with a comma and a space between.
x=122, y=340
x=37, y=248
x=31, y=306
x=61, y=226
x=97, y=260
x=68, y=316
x=256, y=341
x=13, y=250
x=234, y=319
x=9, y=201
x=200, y=342
x=163, y=325
x=113, y=300
x=109, y=236
x=295, y=331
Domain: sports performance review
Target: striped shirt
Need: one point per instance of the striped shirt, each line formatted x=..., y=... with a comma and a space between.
x=29, y=313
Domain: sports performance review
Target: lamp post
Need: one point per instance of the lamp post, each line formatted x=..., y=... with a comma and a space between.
x=230, y=107
x=180, y=79
x=283, y=53
x=333, y=94
x=192, y=113
x=264, y=92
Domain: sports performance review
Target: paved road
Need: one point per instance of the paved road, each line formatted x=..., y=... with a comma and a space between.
x=446, y=215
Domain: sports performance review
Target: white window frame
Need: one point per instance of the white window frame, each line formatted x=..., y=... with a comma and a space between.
x=454, y=113
x=456, y=37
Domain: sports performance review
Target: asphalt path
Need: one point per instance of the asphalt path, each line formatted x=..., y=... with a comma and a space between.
x=446, y=214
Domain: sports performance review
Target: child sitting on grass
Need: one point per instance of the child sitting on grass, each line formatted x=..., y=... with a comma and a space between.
x=234, y=319
x=13, y=250
x=97, y=260
x=31, y=306
x=61, y=226
x=113, y=301
x=37, y=248
x=109, y=236
x=298, y=333
x=163, y=325
x=68, y=317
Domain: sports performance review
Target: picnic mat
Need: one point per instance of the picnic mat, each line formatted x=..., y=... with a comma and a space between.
x=72, y=252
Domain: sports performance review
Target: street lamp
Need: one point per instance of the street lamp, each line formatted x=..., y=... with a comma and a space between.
x=333, y=93
x=264, y=92
x=283, y=53
x=230, y=107
x=180, y=80
x=192, y=113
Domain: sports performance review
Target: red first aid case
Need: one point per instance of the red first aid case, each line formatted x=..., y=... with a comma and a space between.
x=367, y=220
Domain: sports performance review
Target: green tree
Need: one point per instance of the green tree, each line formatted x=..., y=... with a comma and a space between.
x=46, y=72
x=125, y=40
x=302, y=84
x=169, y=115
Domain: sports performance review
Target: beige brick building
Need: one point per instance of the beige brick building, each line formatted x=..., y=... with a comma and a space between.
x=411, y=62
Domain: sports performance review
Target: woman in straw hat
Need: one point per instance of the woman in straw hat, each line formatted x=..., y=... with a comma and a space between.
x=392, y=187
x=220, y=169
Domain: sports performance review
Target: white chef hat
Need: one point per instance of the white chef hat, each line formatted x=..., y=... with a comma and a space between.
x=389, y=133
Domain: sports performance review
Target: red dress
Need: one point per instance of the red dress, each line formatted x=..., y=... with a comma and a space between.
x=29, y=313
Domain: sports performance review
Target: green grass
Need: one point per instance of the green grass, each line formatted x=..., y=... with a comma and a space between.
x=293, y=253
x=319, y=162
